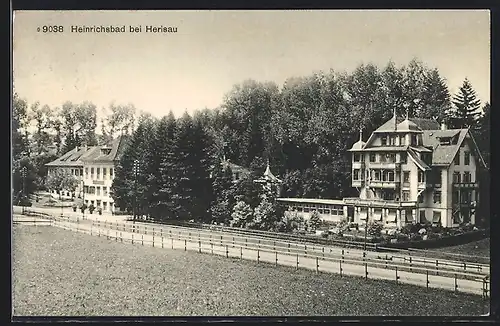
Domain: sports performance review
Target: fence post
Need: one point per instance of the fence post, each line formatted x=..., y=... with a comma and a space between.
x=162, y=242
x=340, y=268
x=456, y=284
x=323, y=250
x=276, y=253
x=437, y=270
x=227, y=252
x=116, y=236
x=246, y=242
x=317, y=265
x=212, y=247
x=107, y=234
x=241, y=252
x=465, y=266
x=258, y=255
x=233, y=242
x=91, y=229
x=289, y=247
x=121, y=237
x=305, y=249
x=153, y=239
x=397, y=277
x=199, y=246
x=142, y=239
x=221, y=240
x=297, y=267
x=342, y=255
x=410, y=263
x=427, y=281
x=274, y=245
x=132, y=238
x=366, y=270
x=172, y=242
x=99, y=232
x=258, y=245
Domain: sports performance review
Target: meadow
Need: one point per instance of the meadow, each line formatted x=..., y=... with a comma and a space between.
x=63, y=273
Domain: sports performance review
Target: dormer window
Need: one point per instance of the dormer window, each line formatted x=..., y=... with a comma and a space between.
x=105, y=150
x=357, y=157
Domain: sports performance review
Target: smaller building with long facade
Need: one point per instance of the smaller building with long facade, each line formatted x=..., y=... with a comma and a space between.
x=94, y=168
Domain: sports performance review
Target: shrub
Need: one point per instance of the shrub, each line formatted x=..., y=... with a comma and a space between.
x=91, y=209
x=375, y=229
x=314, y=221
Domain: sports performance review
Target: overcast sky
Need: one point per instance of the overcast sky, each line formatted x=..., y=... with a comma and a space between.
x=213, y=50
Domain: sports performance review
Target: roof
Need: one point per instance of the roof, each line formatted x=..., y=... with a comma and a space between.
x=415, y=123
x=443, y=154
x=312, y=201
x=268, y=176
x=71, y=158
x=358, y=146
x=234, y=167
x=421, y=164
x=393, y=148
x=80, y=155
x=408, y=126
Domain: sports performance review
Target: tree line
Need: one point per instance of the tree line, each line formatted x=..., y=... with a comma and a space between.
x=303, y=128
x=40, y=134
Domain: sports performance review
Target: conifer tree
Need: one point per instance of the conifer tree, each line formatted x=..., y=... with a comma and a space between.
x=465, y=113
x=435, y=97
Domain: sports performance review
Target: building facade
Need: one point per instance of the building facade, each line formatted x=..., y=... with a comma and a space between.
x=94, y=168
x=413, y=170
x=408, y=171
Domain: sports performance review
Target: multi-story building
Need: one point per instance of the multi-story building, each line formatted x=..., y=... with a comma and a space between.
x=409, y=170
x=412, y=170
x=94, y=167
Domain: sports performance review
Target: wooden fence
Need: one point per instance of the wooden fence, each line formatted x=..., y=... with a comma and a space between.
x=435, y=274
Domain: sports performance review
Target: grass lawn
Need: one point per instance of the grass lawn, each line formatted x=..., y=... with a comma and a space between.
x=59, y=272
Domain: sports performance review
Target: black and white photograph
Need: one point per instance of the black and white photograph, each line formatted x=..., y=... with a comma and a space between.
x=250, y=163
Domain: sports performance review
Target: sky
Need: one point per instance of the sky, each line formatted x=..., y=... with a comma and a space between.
x=213, y=50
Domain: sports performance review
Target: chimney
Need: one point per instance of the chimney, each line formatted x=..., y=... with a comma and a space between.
x=360, y=134
x=443, y=126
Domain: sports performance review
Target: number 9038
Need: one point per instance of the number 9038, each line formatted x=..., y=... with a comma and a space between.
x=52, y=29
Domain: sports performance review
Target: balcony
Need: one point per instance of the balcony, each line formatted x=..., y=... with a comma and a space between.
x=465, y=185
x=424, y=185
x=383, y=184
x=383, y=165
x=357, y=183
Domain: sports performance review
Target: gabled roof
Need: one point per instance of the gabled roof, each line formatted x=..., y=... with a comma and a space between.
x=444, y=154
x=390, y=125
x=409, y=124
x=425, y=124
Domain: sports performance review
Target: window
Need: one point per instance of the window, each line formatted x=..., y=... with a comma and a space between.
x=390, y=176
x=454, y=197
x=98, y=191
x=104, y=205
x=357, y=157
x=413, y=140
x=373, y=157
x=466, y=158
x=92, y=173
x=406, y=176
x=111, y=173
x=383, y=158
x=437, y=197
x=376, y=175
x=403, y=158
x=391, y=158
x=406, y=195
x=456, y=177
x=421, y=176
x=467, y=178
x=392, y=140
x=421, y=199
x=98, y=203
x=423, y=219
x=436, y=217
x=105, y=191
x=104, y=173
x=81, y=172
x=98, y=173
x=355, y=176
x=402, y=140
x=456, y=161
x=86, y=173
x=383, y=140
